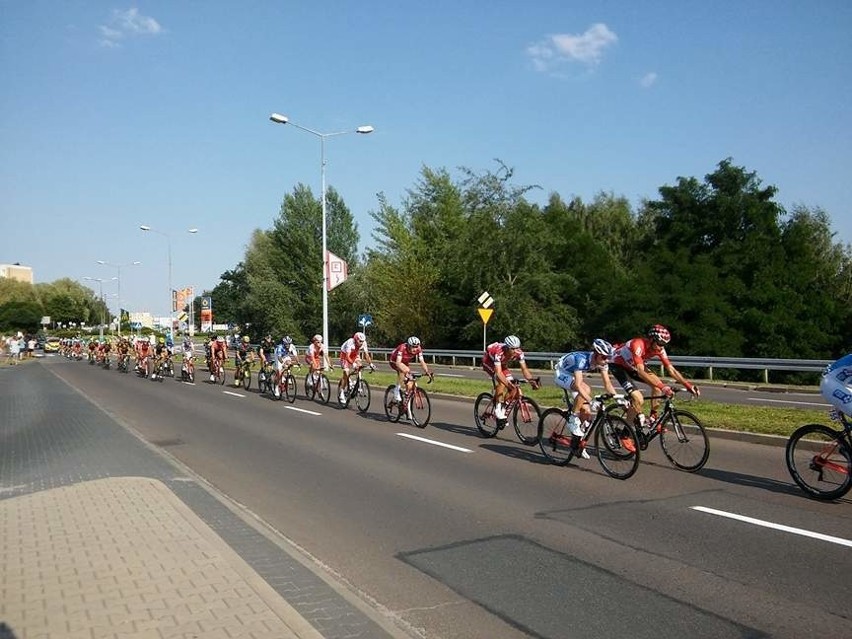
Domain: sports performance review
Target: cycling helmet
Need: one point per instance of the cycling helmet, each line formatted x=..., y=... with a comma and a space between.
x=413, y=341
x=246, y=339
x=214, y=337
x=317, y=338
x=220, y=339
x=603, y=347
x=512, y=341
x=162, y=340
x=360, y=337
x=660, y=334
x=287, y=341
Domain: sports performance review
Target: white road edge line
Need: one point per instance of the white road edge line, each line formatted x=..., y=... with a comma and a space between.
x=447, y=375
x=303, y=410
x=233, y=394
x=434, y=443
x=769, y=524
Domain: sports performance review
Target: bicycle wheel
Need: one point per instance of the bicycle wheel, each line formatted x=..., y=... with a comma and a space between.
x=310, y=389
x=617, y=447
x=361, y=393
x=392, y=408
x=246, y=379
x=290, y=388
x=820, y=461
x=554, y=438
x=420, y=408
x=323, y=388
x=525, y=418
x=483, y=415
x=684, y=441
x=220, y=374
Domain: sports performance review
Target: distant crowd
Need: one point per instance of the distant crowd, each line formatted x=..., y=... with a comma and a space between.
x=18, y=347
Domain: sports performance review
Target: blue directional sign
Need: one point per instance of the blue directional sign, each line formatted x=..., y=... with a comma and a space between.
x=365, y=320
x=135, y=325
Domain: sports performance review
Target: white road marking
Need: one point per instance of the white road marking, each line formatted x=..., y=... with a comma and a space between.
x=447, y=375
x=769, y=524
x=787, y=401
x=303, y=410
x=434, y=443
x=233, y=394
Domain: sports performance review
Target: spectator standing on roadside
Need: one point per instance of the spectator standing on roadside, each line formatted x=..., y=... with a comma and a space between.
x=31, y=345
x=14, y=350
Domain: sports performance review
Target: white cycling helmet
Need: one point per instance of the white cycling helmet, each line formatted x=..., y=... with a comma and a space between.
x=512, y=341
x=603, y=347
x=317, y=338
x=413, y=341
x=360, y=337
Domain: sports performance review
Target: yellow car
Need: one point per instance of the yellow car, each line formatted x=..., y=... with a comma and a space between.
x=51, y=345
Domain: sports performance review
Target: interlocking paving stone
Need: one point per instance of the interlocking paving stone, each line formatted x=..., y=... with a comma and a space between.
x=100, y=537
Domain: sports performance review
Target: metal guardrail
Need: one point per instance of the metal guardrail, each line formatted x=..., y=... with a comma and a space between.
x=474, y=358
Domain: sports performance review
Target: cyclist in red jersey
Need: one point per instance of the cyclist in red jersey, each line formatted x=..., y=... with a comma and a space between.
x=628, y=366
x=495, y=362
x=218, y=351
x=400, y=361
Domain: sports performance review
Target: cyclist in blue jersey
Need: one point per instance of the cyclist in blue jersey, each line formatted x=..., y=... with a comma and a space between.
x=836, y=384
x=568, y=375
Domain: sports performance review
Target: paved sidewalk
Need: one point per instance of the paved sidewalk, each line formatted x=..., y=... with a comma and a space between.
x=103, y=536
x=125, y=557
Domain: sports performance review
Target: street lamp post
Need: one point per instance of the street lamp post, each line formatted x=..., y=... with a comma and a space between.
x=118, y=268
x=145, y=227
x=100, y=282
x=277, y=118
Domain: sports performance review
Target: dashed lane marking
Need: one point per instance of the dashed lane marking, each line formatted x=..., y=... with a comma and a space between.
x=769, y=524
x=233, y=394
x=302, y=410
x=434, y=443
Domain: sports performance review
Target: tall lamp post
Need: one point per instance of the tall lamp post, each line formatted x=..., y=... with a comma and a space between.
x=283, y=119
x=118, y=268
x=145, y=227
x=100, y=282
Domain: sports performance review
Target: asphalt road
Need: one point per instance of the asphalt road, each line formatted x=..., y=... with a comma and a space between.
x=458, y=536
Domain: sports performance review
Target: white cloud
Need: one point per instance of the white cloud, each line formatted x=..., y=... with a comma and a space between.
x=586, y=48
x=124, y=24
x=648, y=79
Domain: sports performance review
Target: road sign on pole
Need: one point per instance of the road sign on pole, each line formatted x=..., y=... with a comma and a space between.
x=485, y=311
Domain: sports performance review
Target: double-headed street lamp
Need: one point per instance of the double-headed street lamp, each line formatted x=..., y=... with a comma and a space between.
x=283, y=119
x=118, y=268
x=100, y=282
x=145, y=227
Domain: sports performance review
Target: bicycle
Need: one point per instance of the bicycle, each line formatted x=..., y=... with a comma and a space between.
x=217, y=371
x=123, y=363
x=264, y=377
x=187, y=371
x=317, y=387
x=525, y=413
x=287, y=384
x=682, y=436
x=819, y=458
x=242, y=374
x=616, y=445
x=415, y=403
x=359, y=390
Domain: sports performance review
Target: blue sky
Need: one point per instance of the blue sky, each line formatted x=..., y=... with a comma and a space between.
x=114, y=115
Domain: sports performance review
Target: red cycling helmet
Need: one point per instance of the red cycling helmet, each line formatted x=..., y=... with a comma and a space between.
x=660, y=334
